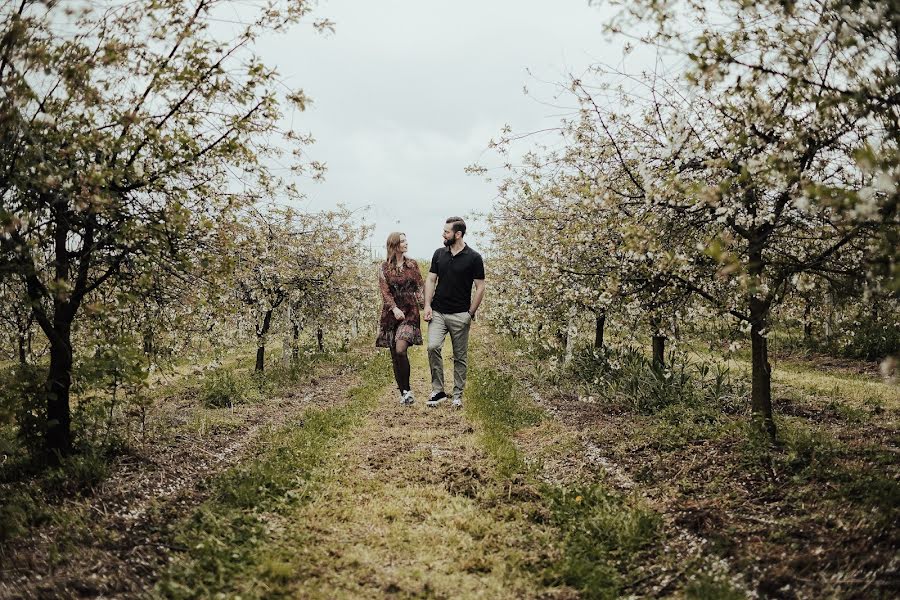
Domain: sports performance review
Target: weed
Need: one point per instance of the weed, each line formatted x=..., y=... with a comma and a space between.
x=628, y=377
x=707, y=586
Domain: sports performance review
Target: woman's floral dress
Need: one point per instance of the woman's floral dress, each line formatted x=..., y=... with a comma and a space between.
x=402, y=288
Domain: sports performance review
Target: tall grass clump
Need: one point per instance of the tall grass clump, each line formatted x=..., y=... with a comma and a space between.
x=626, y=376
x=223, y=388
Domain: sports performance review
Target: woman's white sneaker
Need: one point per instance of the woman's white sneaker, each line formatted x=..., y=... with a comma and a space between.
x=407, y=397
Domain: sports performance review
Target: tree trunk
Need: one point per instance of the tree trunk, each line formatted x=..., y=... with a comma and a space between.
x=295, y=345
x=261, y=340
x=571, y=332
x=807, y=321
x=599, y=324
x=829, y=320
x=59, y=380
x=761, y=391
x=23, y=353
x=260, y=357
x=148, y=342
x=659, y=351
x=320, y=338
x=658, y=344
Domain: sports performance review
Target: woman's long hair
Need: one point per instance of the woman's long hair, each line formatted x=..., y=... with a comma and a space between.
x=393, y=242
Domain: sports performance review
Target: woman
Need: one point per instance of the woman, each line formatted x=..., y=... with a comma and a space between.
x=401, y=290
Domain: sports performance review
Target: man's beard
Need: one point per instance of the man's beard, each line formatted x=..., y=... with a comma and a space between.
x=449, y=242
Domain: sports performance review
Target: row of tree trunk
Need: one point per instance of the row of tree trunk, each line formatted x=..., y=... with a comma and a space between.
x=761, y=370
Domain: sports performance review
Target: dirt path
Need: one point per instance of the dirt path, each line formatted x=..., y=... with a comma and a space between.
x=411, y=510
x=113, y=543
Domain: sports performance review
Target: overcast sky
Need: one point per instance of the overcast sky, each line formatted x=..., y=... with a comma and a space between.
x=407, y=93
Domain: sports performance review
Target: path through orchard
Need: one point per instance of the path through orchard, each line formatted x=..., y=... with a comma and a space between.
x=499, y=500
x=333, y=489
x=410, y=509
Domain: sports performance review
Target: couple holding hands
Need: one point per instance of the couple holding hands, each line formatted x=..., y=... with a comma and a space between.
x=449, y=307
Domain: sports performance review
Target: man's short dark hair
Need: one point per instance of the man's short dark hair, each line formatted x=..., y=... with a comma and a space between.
x=458, y=224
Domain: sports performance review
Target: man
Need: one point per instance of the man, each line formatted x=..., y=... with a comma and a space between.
x=450, y=307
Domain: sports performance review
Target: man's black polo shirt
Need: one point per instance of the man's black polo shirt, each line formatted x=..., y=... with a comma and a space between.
x=455, y=277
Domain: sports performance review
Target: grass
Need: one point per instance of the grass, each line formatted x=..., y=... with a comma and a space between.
x=29, y=491
x=849, y=388
x=603, y=536
x=833, y=465
x=690, y=444
x=712, y=586
x=402, y=503
x=223, y=537
x=500, y=414
x=844, y=475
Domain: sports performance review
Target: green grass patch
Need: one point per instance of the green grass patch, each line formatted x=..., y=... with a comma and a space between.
x=221, y=540
x=707, y=586
x=499, y=408
x=602, y=535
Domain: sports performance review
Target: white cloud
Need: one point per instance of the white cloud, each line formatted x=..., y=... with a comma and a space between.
x=406, y=93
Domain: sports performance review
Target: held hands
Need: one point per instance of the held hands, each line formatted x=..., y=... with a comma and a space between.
x=398, y=314
x=427, y=314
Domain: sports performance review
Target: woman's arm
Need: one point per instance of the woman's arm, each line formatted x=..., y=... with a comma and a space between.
x=386, y=296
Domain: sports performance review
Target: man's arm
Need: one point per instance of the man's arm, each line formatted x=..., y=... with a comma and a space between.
x=479, y=295
x=430, y=285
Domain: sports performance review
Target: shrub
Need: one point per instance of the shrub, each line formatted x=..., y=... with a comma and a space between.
x=22, y=395
x=222, y=388
x=867, y=339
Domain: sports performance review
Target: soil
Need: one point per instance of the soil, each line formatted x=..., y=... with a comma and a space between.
x=780, y=535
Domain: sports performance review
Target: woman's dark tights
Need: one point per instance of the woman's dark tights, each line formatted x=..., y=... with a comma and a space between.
x=400, y=361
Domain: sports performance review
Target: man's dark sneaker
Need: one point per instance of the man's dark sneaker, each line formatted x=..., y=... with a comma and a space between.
x=436, y=398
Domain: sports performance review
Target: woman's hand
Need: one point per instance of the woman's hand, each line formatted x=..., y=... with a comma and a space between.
x=398, y=314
